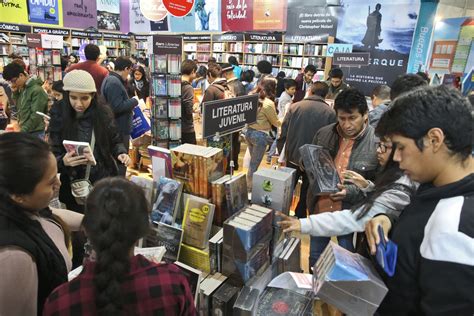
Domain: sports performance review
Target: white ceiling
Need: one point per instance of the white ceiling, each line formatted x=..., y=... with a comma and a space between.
x=464, y=4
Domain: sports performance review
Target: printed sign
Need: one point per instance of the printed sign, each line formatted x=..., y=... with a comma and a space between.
x=263, y=37
x=108, y=14
x=197, y=38
x=225, y=116
x=269, y=15
x=338, y=48
x=45, y=30
x=227, y=37
x=138, y=22
x=80, y=13
x=311, y=24
x=15, y=28
x=43, y=11
x=159, y=25
x=49, y=41
x=351, y=59
x=178, y=8
x=153, y=10
x=237, y=15
x=33, y=40
x=167, y=45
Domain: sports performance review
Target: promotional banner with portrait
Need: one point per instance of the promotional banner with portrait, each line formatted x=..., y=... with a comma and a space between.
x=80, y=13
x=237, y=15
x=108, y=15
x=385, y=30
x=138, y=23
x=159, y=25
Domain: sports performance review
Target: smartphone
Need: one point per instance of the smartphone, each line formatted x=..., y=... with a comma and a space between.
x=43, y=115
x=381, y=248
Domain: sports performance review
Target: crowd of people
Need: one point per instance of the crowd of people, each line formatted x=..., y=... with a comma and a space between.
x=404, y=160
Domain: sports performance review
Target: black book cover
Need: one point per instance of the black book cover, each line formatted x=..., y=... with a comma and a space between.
x=167, y=236
x=275, y=301
x=320, y=169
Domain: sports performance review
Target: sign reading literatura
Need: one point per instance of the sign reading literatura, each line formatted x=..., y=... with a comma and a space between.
x=225, y=116
x=351, y=59
x=278, y=37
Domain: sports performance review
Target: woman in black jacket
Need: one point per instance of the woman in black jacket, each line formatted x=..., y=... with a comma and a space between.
x=83, y=113
x=138, y=85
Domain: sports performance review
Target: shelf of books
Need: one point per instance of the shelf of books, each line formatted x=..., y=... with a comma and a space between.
x=165, y=67
x=13, y=41
x=197, y=47
x=141, y=44
x=259, y=47
x=226, y=45
x=45, y=63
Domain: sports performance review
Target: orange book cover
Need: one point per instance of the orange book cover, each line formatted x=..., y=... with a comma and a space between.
x=268, y=15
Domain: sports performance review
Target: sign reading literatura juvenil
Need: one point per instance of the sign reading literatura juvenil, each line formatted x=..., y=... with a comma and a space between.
x=225, y=116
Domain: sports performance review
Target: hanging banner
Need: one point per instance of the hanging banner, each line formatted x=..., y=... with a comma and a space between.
x=153, y=10
x=108, y=15
x=207, y=15
x=138, y=22
x=269, y=15
x=178, y=8
x=43, y=11
x=422, y=38
x=125, y=18
x=311, y=24
x=186, y=24
x=80, y=13
x=237, y=15
x=14, y=11
x=371, y=27
x=159, y=25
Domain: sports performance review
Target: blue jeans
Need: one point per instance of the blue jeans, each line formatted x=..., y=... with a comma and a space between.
x=257, y=143
x=318, y=244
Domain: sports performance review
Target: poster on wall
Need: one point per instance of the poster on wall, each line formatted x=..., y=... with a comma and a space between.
x=237, y=15
x=80, y=13
x=311, y=24
x=159, y=25
x=153, y=10
x=138, y=22
x=125, y=18
x=269, y=15
x=182, y=25
x=108, y=15
x=13, y=11
x=43, y=11
x=207, y=15
x=385, y=30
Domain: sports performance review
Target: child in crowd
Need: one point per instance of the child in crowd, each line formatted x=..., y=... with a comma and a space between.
x=286, y=97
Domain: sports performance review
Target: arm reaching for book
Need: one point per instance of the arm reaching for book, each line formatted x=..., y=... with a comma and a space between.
x=289, y=224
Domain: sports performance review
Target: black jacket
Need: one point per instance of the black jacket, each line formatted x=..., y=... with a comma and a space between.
x=435, y=262
x=301, y=123
x=363, y=160
x=187, y=102
x=17, y=229
x=115, y=93
x=142, y=93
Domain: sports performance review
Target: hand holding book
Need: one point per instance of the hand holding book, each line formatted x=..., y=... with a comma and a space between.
x=73, y=160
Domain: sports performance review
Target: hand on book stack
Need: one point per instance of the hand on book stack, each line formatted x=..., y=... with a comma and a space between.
x=289, y=224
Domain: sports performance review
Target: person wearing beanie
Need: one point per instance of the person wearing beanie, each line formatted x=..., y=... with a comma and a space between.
x=83, y=112
x=29, y=98
x=114, y=90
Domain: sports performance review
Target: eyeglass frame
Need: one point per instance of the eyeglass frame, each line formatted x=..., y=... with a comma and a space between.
x=382, y=147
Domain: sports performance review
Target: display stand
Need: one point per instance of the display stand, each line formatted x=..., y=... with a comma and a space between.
x=224, y=117
x=44, y=52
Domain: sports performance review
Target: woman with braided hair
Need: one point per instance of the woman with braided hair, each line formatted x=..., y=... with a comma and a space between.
x=119, y=283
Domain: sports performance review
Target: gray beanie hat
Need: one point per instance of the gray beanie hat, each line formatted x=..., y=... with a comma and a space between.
x=79, y=81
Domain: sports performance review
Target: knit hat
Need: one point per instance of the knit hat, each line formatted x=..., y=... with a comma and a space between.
x=79, y=81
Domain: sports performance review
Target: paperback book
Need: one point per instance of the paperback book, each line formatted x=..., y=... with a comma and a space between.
x=80, y=149
x=160, y=110
x=166, y=236
x=174, y=107
x=236, y=193
x=194, y=277
x=165, y=206
x=197, y=222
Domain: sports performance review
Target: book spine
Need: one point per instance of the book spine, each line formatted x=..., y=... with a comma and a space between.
x=195, y=176
x=205, y=180
x=213, y=257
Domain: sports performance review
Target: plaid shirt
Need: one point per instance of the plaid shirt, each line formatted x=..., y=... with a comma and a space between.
x=149, y=289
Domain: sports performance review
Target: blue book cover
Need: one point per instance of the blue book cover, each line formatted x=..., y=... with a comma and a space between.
x=167, y=201
x=43, y=11
x=140, y=124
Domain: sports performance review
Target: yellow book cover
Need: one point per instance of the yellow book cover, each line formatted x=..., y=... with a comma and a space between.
x=196, y=258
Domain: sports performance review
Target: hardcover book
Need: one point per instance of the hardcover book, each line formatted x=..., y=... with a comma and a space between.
x=236, y=193
x=224, y=298
x=167, y=236
x=161, y=162
x=197, y=222
x=320, y=169
x=147, y=185
x=275, y=300
x=194, y=277
x=208, y=287
x=219, y=200
x=165, y=206
x=246, y=302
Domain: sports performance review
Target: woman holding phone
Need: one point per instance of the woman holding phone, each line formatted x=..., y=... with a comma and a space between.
x=84, y=117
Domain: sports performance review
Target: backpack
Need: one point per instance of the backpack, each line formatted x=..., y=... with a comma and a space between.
x=228, y=93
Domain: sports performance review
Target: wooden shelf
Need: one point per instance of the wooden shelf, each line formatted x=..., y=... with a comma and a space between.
x=263, y=53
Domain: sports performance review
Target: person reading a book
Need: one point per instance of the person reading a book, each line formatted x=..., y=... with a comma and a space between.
x=389, y=194
x=83, y=115
x=117, y=282
x=34, y=257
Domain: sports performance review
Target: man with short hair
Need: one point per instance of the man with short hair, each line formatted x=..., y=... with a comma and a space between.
x=380, y=97
x=29, y=98
x=301, y=123
x=336, y=83
x=432, y=129
x=188, y=71
x=91, y=65
x=303, y=82
x=115, y=93
x=405, y=83
x=351, y=143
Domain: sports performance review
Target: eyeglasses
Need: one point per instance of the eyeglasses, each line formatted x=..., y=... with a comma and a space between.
x=382, y=147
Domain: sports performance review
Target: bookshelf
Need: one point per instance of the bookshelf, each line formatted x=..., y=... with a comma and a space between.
x=226, y=45
x=197, y=47
x=13, y=40
x=259, y=47
x=140, y=44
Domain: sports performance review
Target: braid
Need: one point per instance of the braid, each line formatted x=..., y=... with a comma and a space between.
x=115, y=218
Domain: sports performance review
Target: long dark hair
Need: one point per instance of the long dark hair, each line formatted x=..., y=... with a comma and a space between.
x=142, y=71
x=384, y=180
x=116, y=216
x=267, y=89
x=102, y=117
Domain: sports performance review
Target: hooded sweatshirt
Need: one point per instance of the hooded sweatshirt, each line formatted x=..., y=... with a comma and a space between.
x=29, y=100
x=435, y=266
